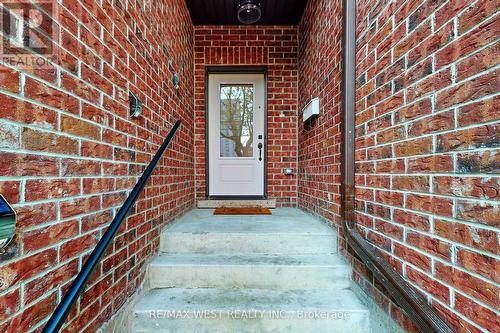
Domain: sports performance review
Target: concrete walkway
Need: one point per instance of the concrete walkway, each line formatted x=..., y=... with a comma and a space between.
x=277, y=273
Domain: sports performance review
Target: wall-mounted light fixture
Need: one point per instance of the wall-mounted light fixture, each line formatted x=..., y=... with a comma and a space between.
x=248, y=11
x=7, y=223
x=176, y=80
x=135, y=105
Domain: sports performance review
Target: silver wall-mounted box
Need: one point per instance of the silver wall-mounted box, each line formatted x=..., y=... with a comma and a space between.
x=311, y=109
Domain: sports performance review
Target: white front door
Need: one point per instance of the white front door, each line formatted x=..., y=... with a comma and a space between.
x=236, y=112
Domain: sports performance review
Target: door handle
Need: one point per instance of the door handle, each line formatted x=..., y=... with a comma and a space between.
x=260, y=150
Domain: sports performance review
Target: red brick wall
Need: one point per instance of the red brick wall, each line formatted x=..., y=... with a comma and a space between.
x=271, y=46
x=320, y=57
x=70, y=154
x=427, y=138
x=427, y=149
x=427, y=184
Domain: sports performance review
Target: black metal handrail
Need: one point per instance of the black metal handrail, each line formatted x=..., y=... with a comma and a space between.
x=62, y=311
x=415, y=306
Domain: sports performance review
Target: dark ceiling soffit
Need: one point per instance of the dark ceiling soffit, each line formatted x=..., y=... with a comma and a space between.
x=421, y=313
x=223, y=12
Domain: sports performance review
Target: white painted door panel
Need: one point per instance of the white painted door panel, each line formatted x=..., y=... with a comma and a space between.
x=236, y=124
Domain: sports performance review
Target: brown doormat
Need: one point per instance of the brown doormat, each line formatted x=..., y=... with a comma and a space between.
x=242, y=211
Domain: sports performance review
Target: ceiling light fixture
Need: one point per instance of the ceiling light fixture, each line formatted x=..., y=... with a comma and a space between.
x=249, y=11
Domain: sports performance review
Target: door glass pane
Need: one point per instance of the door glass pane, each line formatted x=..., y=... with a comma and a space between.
x=236, y=120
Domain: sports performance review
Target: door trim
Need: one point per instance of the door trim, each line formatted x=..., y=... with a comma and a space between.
x=234, y=70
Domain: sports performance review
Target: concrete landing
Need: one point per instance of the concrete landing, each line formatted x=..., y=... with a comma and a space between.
x=287, y=231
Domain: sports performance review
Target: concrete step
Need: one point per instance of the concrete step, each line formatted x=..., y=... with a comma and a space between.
x=277, y=273
x=249, y=271
x=250, y=310
x=287, y=231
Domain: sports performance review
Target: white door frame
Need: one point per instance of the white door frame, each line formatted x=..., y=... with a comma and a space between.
x=242, y=71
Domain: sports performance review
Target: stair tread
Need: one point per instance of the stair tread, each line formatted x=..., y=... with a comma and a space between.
x=179, y=299
x=285, y=263
x=283, y=221
x=249, y=260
